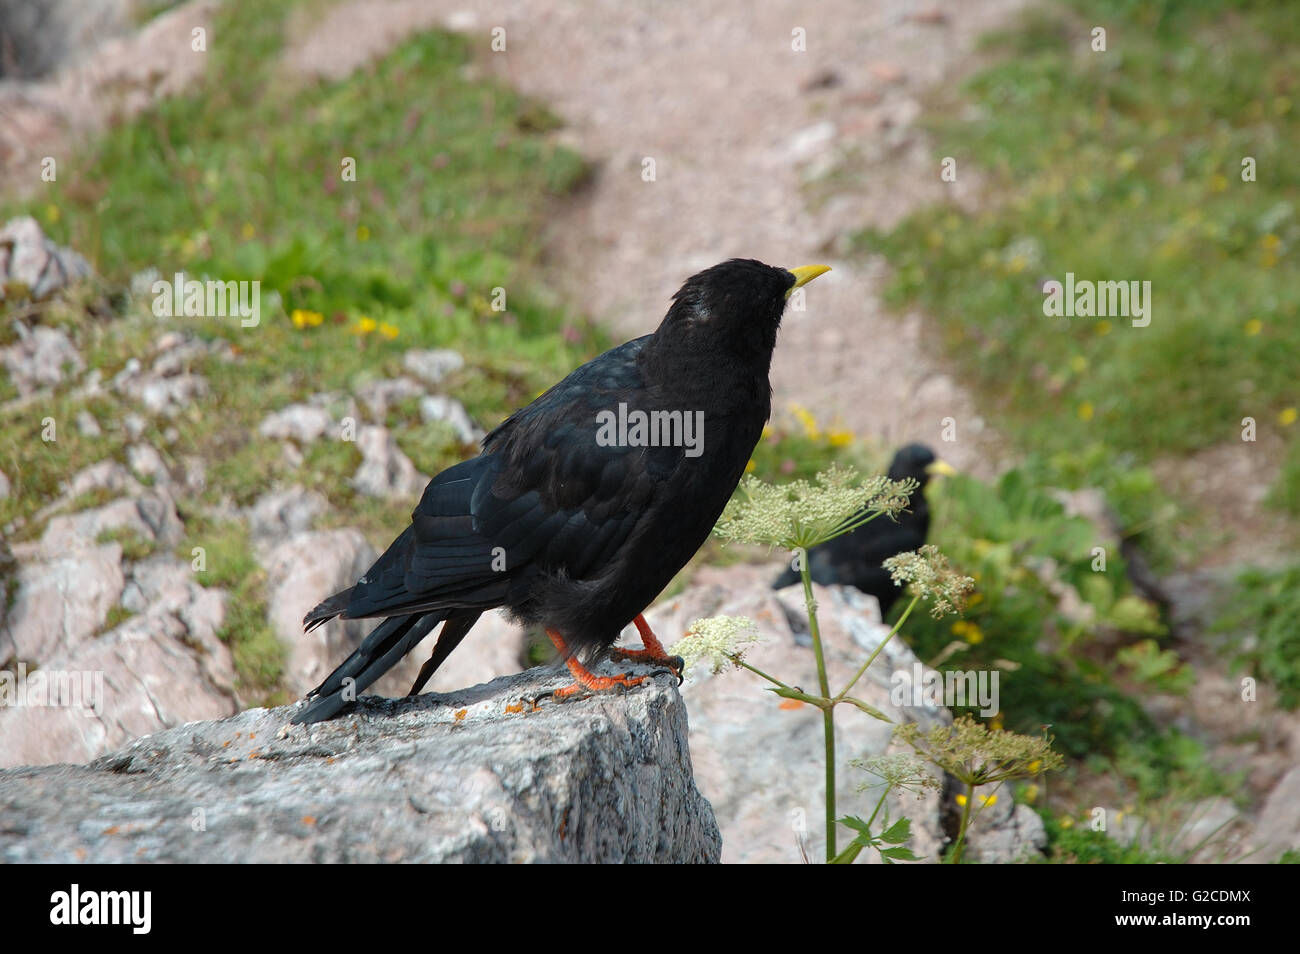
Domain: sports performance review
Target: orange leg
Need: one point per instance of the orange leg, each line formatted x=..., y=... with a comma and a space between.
x=583, y=678
x=654, y=651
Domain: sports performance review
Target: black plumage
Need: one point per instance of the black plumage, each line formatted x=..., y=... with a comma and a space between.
x=855, y=558
x=559, y=525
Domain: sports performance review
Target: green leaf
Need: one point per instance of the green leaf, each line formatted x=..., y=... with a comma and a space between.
x=890, y=855
x=869, y=710
x=849, y=854
x=817, y=701
x=857, y=824
x=898, y=832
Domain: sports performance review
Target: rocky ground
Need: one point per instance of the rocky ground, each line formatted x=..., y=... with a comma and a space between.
x=477, y=776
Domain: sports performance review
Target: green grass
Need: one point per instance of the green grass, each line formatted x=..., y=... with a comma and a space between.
x=1124, y=165
x=222, y=555
x=1264, y=637
x=240, y=180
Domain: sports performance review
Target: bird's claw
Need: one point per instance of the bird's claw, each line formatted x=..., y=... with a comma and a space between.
x=674, y=664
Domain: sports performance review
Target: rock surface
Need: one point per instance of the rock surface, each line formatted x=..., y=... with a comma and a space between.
x=34, y=263
x=41, y=358
x=385, y=471
x=474, y=776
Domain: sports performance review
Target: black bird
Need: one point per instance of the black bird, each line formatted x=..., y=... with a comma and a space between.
x=855, y=558
x=583, y=505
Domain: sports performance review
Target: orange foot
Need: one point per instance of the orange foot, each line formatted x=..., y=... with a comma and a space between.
x=583, y=678
x=654, y=651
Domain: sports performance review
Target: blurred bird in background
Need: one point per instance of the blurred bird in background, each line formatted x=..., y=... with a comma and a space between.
x=855, y=558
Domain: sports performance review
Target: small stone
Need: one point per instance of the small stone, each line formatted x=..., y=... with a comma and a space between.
x=432, y=365
x=41, y=358
x=377, y=396
x=282, y=512
x=439, y=407
x=303, y=423
x=385, y=471
x=87, y=426
x=30, y=259
x=147, y=463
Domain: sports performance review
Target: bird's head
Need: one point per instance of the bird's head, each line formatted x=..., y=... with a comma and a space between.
x=918, y=462
x=739, y=302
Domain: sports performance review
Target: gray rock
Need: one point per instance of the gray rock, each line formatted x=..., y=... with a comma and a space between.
x=377, y=396
x=134, y=425
x=156, y=670
x=432, y=365
x=300, y=572
x=1278, y=828
x=278, y=513
x=340, y=404
x=30, y=259
x=385, y=471
x=147, y=463
x=40, y=358
x=61, y=602
x=439, y=407
x=1003, y=832
x=67, y=581
x=303, y=423
x=87, y=426
x=166, y=388
x=476, y=776
x=4, y=486
x=150, y=514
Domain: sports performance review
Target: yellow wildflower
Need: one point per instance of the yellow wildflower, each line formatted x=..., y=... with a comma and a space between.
x=809, y=422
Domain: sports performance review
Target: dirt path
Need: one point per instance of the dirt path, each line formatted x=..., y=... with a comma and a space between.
x=737, y=124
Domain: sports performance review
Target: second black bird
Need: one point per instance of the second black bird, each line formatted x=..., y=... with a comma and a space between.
x=855, y=559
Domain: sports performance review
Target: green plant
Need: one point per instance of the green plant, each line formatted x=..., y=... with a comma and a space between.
x=1265, y=637
x=798, y=516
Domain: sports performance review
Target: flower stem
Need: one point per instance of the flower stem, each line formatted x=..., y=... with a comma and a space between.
x=872, y=658
x=758, y=672
x=828, y=714
x=960, y=847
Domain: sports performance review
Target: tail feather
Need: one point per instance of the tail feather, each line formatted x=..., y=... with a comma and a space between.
x=458, y=624
x=327, y=609
x=379, y=652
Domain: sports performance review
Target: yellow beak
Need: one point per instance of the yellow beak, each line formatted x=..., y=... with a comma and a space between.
x=942, y=468
x=804, y=274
